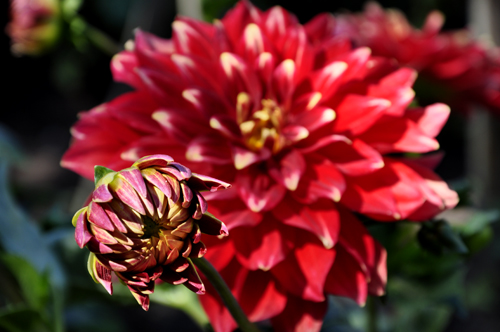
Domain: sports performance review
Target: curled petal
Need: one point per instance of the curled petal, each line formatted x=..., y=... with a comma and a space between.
x=82, y=235
x=202, y=182
x=210, y=225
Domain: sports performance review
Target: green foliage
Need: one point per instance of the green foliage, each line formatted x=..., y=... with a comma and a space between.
x=437, y=236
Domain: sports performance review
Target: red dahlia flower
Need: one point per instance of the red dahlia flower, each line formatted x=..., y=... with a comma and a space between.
x=452, y=59
x=144, y=223
x=308, y=131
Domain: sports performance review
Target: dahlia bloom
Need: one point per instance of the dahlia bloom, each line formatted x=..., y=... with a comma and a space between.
x=34, y=25
x=306, y=128
x=144, y=223
x=468, y=69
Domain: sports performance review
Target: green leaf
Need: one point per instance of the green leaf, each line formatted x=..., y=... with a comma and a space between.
x=180, y=298
x=22, y=319
x=20, y=236
x=100, y=172
x=435, y=236
x=35, y=287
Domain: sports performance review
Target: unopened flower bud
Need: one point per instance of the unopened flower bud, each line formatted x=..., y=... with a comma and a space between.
x=145, y=222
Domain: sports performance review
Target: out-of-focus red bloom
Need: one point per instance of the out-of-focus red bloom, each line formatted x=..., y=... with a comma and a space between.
x=308, y=131
x=145, y=222
x=452, y=59
x=34, y=25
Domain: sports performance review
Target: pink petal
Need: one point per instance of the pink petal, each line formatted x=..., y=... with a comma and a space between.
x=97, y=216
x=102, y=194
x=82, y=235
x=126, y=193
x=157, y=180
x=134, y=177
x=103, y=275
x=161, y=160
x=202, y=182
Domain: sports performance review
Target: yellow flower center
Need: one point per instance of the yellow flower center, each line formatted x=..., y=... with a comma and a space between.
x=262, y=127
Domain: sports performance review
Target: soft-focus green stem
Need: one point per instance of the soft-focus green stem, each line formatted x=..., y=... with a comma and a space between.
x=101, y=40
x=371, y=307
x=225, y=293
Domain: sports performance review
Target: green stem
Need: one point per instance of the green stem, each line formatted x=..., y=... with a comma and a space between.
x=371, y=306
x=101, y=40
x=225, y=293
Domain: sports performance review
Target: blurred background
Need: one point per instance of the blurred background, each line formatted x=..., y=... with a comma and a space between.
x=44, y=284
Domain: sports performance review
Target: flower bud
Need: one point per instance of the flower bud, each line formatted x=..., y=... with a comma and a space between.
x=34, y=25
x=145, y=222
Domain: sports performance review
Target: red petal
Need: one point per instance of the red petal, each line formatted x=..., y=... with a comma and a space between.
x=404, y=136
x=357, y=113
x=262, y=246
x=210, y=225
x=258, y=190
x=369, y=254
x=209, y=149
x=234, y=213
x=303, y=273
x=300, y=316
x=315, y=118
x=321, y=179
x=346, y=278
x=260, y=297
x=430, y=119
x=289, y=170
x=179, y=125
x=320, y=218
x=243, y=157
x=353, y=159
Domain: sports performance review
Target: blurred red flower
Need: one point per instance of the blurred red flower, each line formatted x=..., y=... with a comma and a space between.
x=302, y=126
x=34, y=25
x=451, y=59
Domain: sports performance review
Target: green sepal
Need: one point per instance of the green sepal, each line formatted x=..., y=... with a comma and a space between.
x=100, y=172
x=90, y=266
x=77, y=214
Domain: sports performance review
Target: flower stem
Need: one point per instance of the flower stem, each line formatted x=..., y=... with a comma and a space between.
x=225, y=293
x=102, y=41
x=372, y=315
